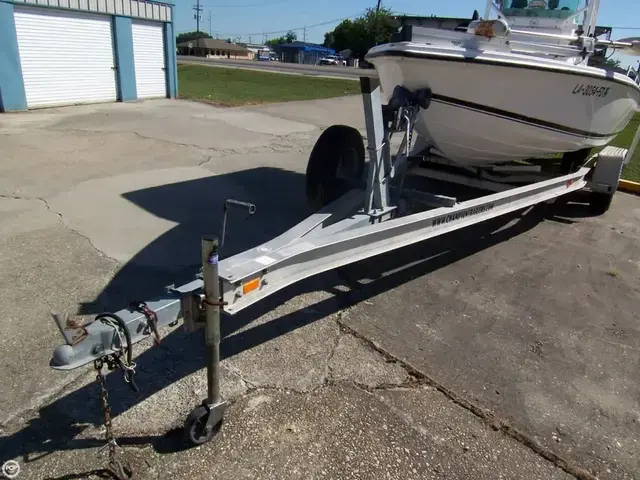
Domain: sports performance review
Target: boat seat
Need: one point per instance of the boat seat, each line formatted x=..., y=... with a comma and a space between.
x=519, y=3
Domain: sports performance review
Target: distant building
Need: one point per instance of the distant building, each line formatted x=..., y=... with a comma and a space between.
x=302, y=52
x=213, y=48
x=257, y=50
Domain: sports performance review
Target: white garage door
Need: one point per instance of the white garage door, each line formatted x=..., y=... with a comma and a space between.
x=66, y=57
x=148, y=57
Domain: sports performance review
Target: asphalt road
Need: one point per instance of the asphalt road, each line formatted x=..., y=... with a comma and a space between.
x=291, y=68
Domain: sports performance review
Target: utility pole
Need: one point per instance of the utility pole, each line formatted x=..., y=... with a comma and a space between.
x=197, y=8
x=304, y=34
x=210, y=34
x=376, y=29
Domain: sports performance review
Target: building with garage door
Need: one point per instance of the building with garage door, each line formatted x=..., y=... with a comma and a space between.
x=70, y=52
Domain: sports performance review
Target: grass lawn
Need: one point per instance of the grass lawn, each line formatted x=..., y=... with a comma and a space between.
x=631, y=171
x=233, y=87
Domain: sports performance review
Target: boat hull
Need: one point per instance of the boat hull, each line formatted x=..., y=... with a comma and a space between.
x=490, y=109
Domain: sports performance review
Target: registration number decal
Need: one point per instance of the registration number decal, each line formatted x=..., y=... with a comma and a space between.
x=462, y=214
x=590, y=90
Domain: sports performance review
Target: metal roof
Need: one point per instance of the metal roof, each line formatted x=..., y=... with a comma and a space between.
x=309, y=47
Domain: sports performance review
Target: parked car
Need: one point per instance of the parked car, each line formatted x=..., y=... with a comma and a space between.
x=329, y=60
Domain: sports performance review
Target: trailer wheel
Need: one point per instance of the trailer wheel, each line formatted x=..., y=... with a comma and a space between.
x=600, y=203
x=572, y=161
x=336, y=165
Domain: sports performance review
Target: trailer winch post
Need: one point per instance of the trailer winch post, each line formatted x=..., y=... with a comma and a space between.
x=212, y=324
x=204, y=421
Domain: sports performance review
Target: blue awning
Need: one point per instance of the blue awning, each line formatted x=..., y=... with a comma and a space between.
x=309, y=47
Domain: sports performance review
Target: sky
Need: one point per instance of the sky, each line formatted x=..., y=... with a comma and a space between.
x=248, y=19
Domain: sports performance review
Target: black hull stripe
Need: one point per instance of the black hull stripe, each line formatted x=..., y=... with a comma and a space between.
x=496, y=112
x=397, y=53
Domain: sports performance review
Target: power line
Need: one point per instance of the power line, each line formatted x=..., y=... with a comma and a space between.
x=247, y=5
x=296, y=29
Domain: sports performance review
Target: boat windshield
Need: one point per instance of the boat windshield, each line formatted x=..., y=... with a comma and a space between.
x=540, y=8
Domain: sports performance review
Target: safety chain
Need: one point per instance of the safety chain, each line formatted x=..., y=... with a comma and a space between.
x=152, y=318
x=114, y=464
x=407, y=118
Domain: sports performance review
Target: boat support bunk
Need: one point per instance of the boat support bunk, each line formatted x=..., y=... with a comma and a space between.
x=361, y=212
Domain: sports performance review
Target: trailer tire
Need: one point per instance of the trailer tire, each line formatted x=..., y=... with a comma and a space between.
x=336, y=165
x=600, y=203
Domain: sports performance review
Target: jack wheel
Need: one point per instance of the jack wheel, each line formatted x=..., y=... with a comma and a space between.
x=600, y=203
x=195, y=426
x=336, y=165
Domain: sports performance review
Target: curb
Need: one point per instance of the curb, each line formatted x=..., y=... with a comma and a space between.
x=629, y=186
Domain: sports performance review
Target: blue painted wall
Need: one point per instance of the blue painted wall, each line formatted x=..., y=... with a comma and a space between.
x=12, y=96
x=170, y=60
x=125, y=69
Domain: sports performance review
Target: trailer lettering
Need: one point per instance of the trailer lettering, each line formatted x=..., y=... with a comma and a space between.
x=590, y=90
x=452, y=217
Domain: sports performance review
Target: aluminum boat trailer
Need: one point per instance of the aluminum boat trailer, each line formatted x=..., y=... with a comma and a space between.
x=362, y=211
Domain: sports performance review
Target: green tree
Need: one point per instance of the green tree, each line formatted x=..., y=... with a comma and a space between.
x=362, y=33
x=611, y=63
x=290, y=37
x=189, y=36
x=601, y=61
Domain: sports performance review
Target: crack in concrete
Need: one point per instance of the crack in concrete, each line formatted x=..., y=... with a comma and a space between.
x=279, y=145
x=328, y=376
x=415, y=380
x=155, y=139
x=14, y=197
x=204, y=162
x=61, y=220
x=488, y=417
x=246, y=384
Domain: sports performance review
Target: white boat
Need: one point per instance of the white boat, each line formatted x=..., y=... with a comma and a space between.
x=513, y=87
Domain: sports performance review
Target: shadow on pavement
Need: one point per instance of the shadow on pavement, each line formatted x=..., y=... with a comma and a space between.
x=195, y=206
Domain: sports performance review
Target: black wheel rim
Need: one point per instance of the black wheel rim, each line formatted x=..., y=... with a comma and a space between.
x=199, y=429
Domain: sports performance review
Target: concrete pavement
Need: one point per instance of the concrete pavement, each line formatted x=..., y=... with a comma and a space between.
x=498, y=352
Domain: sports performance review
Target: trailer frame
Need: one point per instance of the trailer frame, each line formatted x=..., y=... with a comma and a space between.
x=368, y=218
